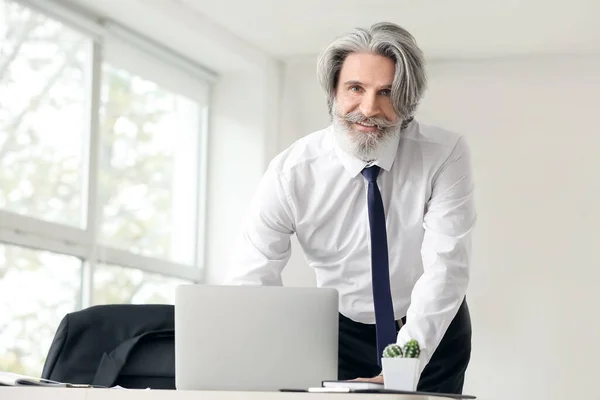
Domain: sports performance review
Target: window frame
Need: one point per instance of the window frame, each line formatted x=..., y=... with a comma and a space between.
x=30, y=232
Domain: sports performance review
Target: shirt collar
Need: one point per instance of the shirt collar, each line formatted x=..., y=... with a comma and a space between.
x=354, y=165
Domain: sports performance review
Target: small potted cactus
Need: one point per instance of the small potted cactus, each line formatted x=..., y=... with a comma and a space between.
x=401, y=366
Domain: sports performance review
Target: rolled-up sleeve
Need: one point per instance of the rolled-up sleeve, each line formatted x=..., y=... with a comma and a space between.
x=446, y=252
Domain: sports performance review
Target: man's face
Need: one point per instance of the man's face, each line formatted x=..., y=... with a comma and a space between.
x=363, y=109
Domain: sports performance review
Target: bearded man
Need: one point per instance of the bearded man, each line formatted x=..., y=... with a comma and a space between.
x=383, y=208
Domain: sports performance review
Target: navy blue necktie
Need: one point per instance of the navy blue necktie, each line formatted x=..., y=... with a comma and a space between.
x=380, y=272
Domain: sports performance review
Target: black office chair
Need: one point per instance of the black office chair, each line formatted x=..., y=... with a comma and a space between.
x=132, y=346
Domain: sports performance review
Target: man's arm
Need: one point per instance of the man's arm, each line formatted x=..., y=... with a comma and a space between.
x=446, y=252
x=264, y=247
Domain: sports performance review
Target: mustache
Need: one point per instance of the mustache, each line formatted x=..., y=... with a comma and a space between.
x=357, y=116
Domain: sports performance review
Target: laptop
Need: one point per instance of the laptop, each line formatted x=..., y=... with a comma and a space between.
x=254, y=338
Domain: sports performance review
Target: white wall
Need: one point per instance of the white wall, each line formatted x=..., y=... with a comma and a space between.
x=241, y=131
x=532, y=127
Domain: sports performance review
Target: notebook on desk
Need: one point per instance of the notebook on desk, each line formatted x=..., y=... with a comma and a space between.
x=351, y=385
x=371, y=387
x=379, y=390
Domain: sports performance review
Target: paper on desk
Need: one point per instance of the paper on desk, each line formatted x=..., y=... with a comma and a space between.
x=121, y=387
x=12, y=379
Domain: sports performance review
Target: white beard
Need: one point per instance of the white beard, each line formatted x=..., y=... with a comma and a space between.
x=366, y=146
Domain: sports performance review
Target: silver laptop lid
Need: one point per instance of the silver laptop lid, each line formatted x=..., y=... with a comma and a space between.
x=254, y=337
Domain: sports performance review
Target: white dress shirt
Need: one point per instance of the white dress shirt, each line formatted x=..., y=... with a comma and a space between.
x=316, y=190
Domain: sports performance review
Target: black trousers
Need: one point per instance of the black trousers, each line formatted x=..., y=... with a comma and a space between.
x=445, y=373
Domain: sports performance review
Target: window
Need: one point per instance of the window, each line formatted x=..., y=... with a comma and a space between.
x=114, y=284
x=37, y=288
x=148, y=169
x=101, y=172
x=43, y=69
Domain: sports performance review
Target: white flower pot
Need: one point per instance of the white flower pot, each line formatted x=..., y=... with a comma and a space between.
x=400, y=373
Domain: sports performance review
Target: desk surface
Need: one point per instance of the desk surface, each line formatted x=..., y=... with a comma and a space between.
x=38, y=393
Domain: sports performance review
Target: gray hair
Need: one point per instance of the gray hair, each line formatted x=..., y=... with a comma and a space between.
x=385, y=39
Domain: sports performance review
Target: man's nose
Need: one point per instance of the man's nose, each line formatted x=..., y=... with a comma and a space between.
x=369, y=106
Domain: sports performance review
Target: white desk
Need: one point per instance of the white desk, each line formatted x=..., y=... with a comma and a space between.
x=37, y=393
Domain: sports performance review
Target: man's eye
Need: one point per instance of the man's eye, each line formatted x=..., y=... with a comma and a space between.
x=386, y=92
x=355, y=88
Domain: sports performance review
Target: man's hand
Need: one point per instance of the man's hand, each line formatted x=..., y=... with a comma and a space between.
x=377, y=379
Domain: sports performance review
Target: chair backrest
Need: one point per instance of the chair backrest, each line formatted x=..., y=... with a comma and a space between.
x=132, y=346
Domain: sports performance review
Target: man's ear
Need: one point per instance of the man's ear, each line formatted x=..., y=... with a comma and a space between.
x=330, y=101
